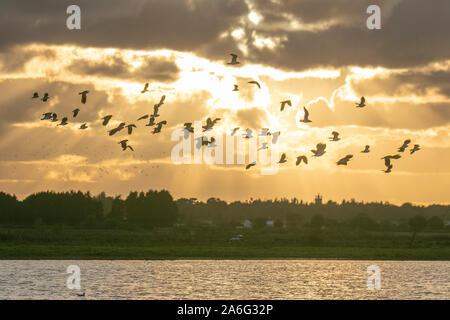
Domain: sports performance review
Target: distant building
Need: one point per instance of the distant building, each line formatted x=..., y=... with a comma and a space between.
x=318, y=199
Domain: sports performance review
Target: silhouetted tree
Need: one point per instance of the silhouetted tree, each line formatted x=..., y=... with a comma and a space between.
x=416, y=224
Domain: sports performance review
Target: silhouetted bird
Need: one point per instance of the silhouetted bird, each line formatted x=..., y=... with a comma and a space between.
x=344, y=160
x=161, y=101
x=236, y=87
x=83, y=96
x=404, y=145
x=284, y=103
x=47, y=116
x=233, y=59
x=366, y=149
x=283, y=158
x=209, y=124
x=117, y=129
x=389, y=168
x=255, y=82
x=414, y=149
x=362, y=103
x=83, y=126
x=155, y=111
x=63, y=122
x=305, y=116
x=75, y=112
x=248, y=134
x=145, y=88
x=320, y=150
x=45, y=97
x=130, y=128
x=151, y=122
x=300, y=159
x=264, y=146
x=250, y=165
x=275, y=136
x=106, y=119
x=125, y=145
x=54, y=117
x=35, y=95
x=265, y=132
x=335, y=137
x=143, y=117
x=159, y=126
x=234, y=131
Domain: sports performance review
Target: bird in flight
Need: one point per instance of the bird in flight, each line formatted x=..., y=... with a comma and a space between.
x=155, y=111
x=387, y=159
x=283, y=158
x=188, y=129
x=159, y=126
x=300, y=159
x=47, y=116
x=145, y=88
x=45, y=97
x=234, y=131
x=344, y=160
x=151, y=122
x=143, y=117
x=117, y=129
x=83, y=96
x=366, y=149
x=75, y=112
x=130, y=128
x=265, y=132
x=264, y=146
x=233, y=59
x=305, y=116
x=83, y=126
x=236, y=87
x=414, y=149
x=125, y=145
x=106, y=119
x=284, y=103
x=255, y=82
x=161, y=101
x=248, y=134
x=54, y=117
x=275, y=136
x=209, y=124
x=362, y=103
x=335, y=137
x=250, y=165
x=320, y=150
x=404, y=145
x=35, y=95
x=63, y=122
x=388, y=169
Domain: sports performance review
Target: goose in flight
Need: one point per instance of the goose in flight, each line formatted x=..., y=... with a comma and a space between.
x=305, y=116
x=45, y=97
x=282, y=158
x=117, y=129
x=275, y=136
x=63, y=122
x=83, y=126
x=404, y=145
x=203, y=141
x=209, y=124
x=265, y=132
x=161, y=101
x=159, y=126
x=143, y=117
x=106, y=119
x=234, y=131
x=320, y=150
x=284, y=103
x=250, y=165
x=233, y=59
x=151, y=122
x=344, y=160
x=145, y=88
x=35, y=95
x=366, y=149
x=54, y=117
x=335, y=137
x=387, y=159
x=236, y=87
x=47, y=116
x=388, y=169
x=255, y=82
x=188, y=129
x=130, y=128
x=212, y=143
x=83, y=96
x=414, y=149
x=125, y=145
x=155, y=111
x=300, y=159
x=264, y=146
x=75, y=112
x=362, y=103
x=248, y=134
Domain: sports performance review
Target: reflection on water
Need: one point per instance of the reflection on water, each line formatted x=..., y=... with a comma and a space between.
x=225, y=279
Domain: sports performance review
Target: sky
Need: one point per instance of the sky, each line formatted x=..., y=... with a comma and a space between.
x=318, y=54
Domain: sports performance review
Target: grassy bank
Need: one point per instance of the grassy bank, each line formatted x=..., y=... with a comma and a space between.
x=214, y=243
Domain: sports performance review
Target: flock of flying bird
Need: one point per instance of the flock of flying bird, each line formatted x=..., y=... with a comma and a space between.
x=203, y=141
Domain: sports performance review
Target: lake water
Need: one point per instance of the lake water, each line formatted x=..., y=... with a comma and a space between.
x=224, y=279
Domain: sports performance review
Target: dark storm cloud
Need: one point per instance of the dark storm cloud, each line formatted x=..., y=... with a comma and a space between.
x=14, y=59
x=153, y=68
